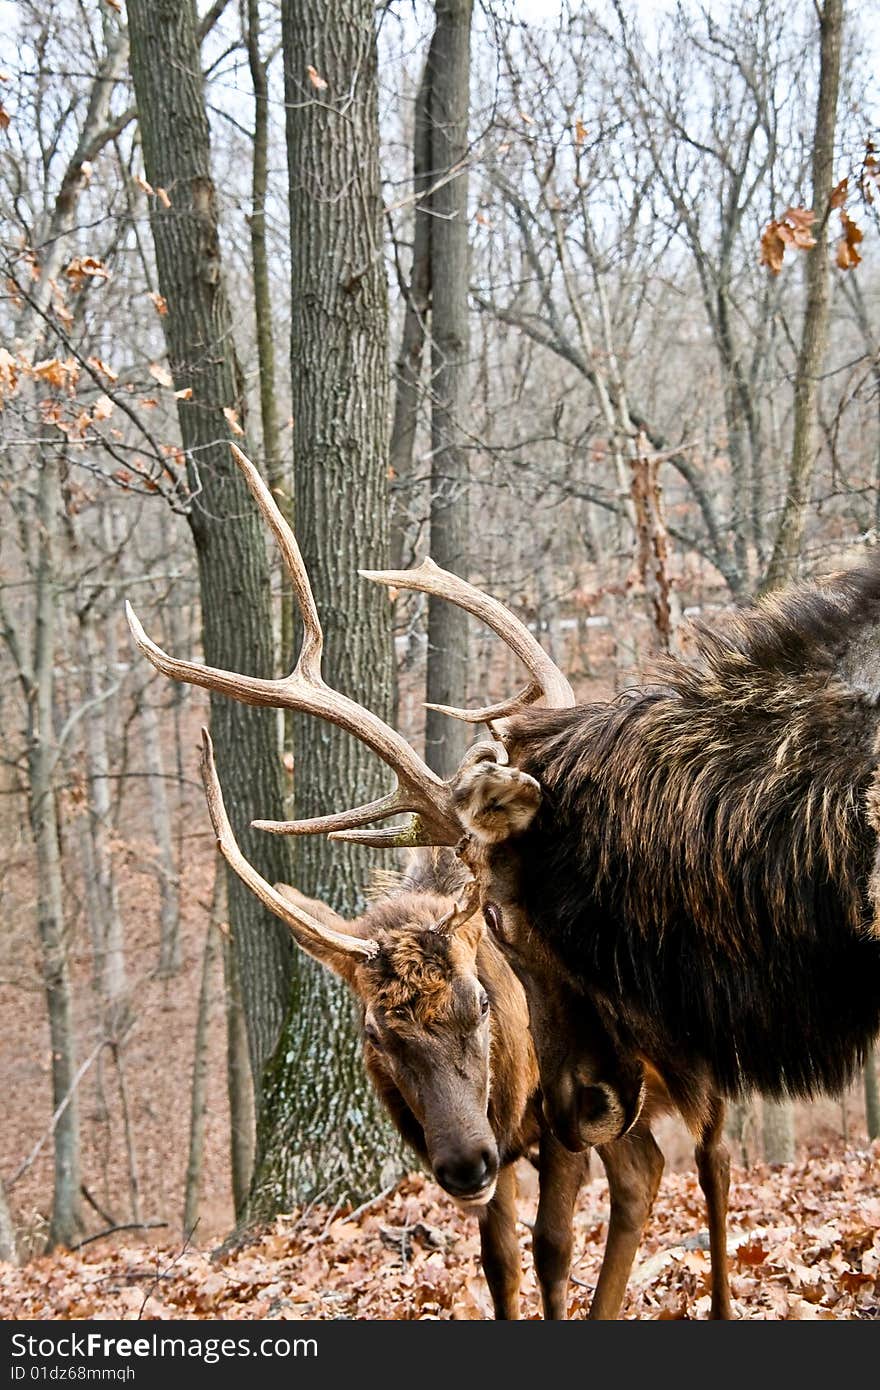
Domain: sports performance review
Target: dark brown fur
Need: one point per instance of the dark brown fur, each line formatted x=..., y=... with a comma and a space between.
x=701, y=864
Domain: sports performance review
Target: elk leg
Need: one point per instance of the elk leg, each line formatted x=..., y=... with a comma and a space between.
x=499, y=1247
x=634, y=1166
x=713, y=1170
x=561, y=1174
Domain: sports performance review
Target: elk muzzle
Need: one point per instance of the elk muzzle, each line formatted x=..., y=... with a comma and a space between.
x=468, y=1173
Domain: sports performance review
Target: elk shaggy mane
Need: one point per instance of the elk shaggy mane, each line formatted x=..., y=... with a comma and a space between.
x=704, y=861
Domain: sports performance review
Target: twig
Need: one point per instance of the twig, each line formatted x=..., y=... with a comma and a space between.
x=37, y=1149
x=106, y=1215
x=163, y=1273
x=125, y=1226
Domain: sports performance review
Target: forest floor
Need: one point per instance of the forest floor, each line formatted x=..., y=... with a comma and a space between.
x=804, y=1243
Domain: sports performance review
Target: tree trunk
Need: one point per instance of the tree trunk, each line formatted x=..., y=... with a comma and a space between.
x=814, y=339
x=198, y=1093
x=233, y=571
x=777, y=1119
x=872, y=1095
x=66, y=1221
x=415, y=326
x=449, y=66
x=101, y=892
x=166, y=872
x=278, y=470
x=8, y=1243
x=238, y=1084
x=322, y=1131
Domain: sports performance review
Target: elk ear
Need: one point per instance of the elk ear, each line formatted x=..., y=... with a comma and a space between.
x=340, y=962
x=472, y=931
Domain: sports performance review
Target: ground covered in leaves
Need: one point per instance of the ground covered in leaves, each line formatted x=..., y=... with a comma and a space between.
x=804, y=1243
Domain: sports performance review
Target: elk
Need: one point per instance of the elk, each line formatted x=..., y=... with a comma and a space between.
x=446, y=1038
x=697, y=861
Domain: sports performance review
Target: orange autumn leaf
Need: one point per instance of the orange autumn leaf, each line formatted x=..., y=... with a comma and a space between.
x=160, y=303
x=184, y=394
x=83, y=268
x=580, y=133
x=161, y=374
x=231, y=417
x=792, y=229
x=163, y=197
x=838, y=194
x=4, y=117
x=848, y=257
x=99, y=366
x=317, y=81
x=103, y=408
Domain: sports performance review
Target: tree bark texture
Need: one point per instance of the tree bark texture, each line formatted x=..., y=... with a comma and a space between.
x=814, y=339
x=233, y=570
x=410, y=357
x=279, y=471
x=198, y=1094
x=449, y=69
x=65, y=1223
x=239, y=1086
x=322, y=1131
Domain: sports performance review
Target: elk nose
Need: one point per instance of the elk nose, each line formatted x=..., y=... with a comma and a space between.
x=465, y=1175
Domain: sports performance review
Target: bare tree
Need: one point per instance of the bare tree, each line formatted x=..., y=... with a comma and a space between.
x=166, y=71
x=814, y=336
x=448, y=78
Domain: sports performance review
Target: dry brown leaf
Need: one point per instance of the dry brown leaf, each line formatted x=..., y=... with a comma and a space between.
x=100, y=366
x=184, y=394
x=848, y=256
x=231, y=417
x=316, y=79
x=792, y=229
x=159, y=302
x=160, y=373
x=163, y=197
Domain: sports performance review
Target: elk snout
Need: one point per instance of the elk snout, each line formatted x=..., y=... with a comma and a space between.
x=469, y=1175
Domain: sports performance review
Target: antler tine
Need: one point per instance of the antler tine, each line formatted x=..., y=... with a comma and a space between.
x=527, y=696
x=419, y=789
x=546, y=675
x=307, y=930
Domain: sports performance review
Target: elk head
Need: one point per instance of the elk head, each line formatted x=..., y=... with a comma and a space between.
x=411, y=962
x=592, y=1094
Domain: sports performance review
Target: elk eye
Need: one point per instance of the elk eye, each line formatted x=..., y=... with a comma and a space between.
x=484, y=1004
x=492, y=918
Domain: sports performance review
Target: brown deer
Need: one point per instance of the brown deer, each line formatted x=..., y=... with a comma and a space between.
x=445, y=1024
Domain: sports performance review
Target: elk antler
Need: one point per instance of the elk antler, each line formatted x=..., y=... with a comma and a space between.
x=307, y=930
x=418, y=789
x=547, y=679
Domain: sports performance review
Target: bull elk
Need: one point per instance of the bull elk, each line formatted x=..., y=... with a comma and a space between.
x=445, y=1033
x=698, y=861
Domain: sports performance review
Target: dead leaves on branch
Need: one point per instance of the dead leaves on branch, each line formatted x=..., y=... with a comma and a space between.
x=790, y=231
x=804, y=1244
x=793, y=232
